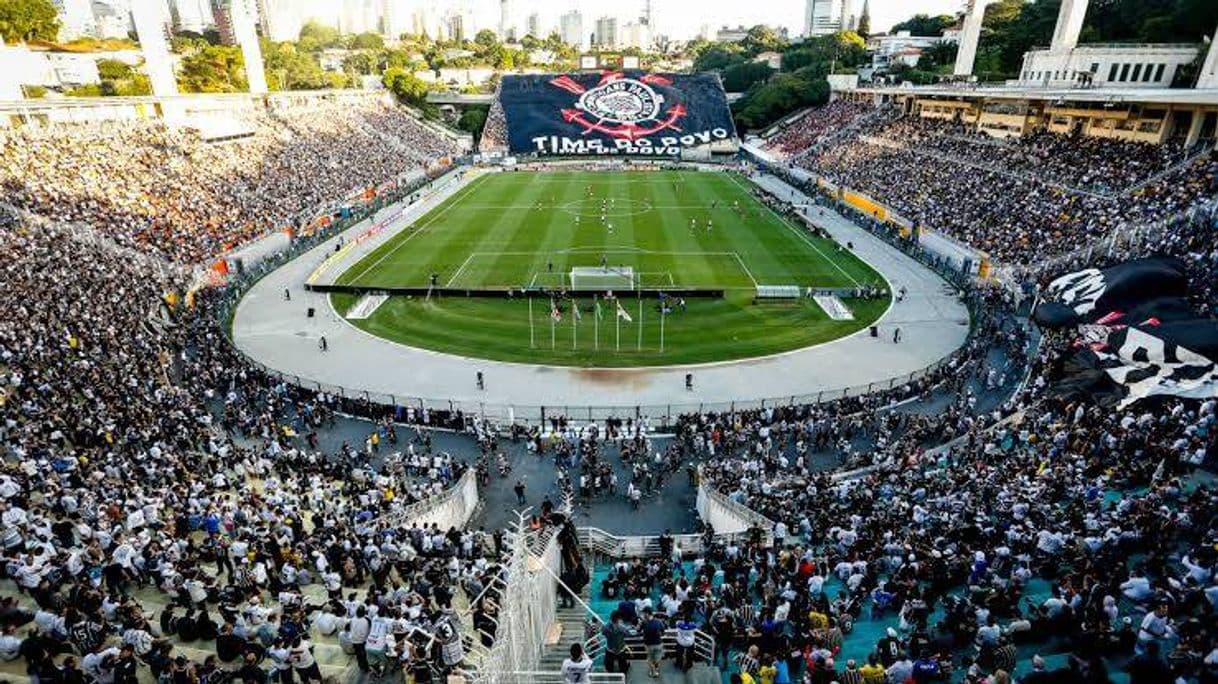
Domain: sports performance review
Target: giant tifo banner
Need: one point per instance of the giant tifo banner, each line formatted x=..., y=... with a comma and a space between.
x=615, y=113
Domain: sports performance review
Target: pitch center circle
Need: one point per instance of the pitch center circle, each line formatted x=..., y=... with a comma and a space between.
x=593, y=207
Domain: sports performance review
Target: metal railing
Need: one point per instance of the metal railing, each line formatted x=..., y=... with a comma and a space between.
x=452, y=507
x=661, y=417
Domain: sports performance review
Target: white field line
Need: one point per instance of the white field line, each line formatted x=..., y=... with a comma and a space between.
x=747, y=272
x=798, y=232
x=452, y=203
x=459, y=270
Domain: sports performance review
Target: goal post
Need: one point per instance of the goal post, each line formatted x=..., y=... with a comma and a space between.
x=603, y=278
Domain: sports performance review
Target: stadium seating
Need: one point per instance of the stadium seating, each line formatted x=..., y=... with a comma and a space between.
x=165, y=189
x=971, y=521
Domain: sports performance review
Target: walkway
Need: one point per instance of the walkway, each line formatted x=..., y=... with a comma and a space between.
x=278, y=334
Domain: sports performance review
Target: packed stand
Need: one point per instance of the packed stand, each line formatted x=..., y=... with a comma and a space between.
x=165, y=189
x=816, y=126
x=167, y=511
x=1065, y=544
x=1016, y=201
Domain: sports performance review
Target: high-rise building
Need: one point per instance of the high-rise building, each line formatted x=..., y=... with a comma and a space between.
x=507, y=25
x=822, y=17
x=606, y=33
x=359, y=16
x=849, y=17
x=455, y=25
x=222, y=16
x=281, y=20
x=571, y=29
x=635, y=34
x=75, y=18
x=532, y=25
x=395, y=18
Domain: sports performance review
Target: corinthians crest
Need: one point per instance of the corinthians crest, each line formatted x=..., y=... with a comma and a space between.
x=621, y=107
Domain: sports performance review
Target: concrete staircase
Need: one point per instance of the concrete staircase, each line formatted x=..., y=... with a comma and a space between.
x=568, y=628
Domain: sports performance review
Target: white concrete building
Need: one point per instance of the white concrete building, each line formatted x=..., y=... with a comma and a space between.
x=635, y=34
x=889, y=50
x=1067, y=64
x=1124, y=66
x=75, y=18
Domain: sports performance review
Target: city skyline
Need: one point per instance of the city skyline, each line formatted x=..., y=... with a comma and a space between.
x=677, y=19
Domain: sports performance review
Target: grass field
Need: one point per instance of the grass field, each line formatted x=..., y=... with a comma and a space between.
x=516, y=230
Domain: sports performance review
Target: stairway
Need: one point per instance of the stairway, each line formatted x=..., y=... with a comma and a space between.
x=568, y=628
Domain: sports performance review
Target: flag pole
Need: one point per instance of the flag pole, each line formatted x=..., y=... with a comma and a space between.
x=640, y=347
x=663, y=309
x=596, y=324
x=532, y=337
x=574, y=328
x=618, y=317
x=551, y=324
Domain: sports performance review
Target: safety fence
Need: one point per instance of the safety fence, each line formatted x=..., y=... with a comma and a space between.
x=529, y=592
x=726, y=516
x=451, y=508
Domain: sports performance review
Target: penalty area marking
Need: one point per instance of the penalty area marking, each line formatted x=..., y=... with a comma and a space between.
x=451, y=202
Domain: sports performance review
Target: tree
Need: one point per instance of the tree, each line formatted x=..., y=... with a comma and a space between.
x=762, y=38
x=924, y=25
x=938, y=55
x=288, y=68
x=717, y=57
x=315, y=37
x=406, y=86
x=783, y=94
x=486, y=39
x=864, y=27
x=740, y=77
x=368, y=41
x=473, y=119
x=22, y=20
x=360, y=63
x=214, y=69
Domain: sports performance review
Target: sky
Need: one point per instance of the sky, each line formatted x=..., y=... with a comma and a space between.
x=680, y=19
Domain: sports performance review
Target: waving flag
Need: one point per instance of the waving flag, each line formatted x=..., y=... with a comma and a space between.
x=621, y=313
x=554, y=312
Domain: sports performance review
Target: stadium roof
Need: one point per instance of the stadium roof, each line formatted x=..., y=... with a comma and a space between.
x=1105, y=95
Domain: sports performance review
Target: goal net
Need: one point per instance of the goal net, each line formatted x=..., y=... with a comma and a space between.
x=602, y=278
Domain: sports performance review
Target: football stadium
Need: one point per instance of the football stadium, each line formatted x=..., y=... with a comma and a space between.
x=360, y=346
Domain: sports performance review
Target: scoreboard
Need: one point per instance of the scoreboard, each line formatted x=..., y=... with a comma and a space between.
x=608, y=61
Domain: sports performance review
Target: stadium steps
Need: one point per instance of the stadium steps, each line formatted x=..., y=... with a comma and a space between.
x=335, y=665
x=568, y=627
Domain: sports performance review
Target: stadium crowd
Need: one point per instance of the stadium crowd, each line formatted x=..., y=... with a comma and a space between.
x=165, y=189
x=167, y=512
x=1068, y=540
x=1020, y=201
x=817, y=126
x=157, y=494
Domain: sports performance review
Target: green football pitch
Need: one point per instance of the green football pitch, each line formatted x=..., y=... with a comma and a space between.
x=588, y=232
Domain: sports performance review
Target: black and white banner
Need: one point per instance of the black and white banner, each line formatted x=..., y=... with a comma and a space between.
x=1139, y=336
x=614, y=113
